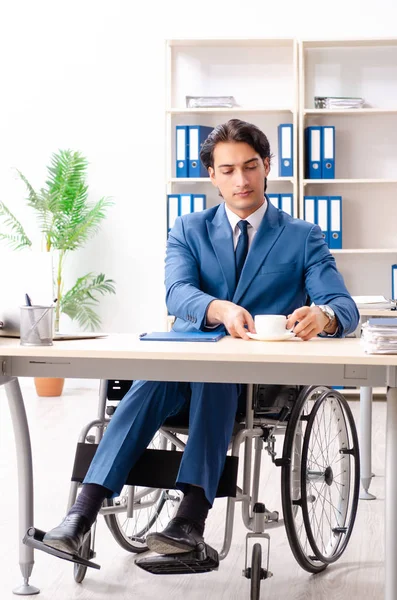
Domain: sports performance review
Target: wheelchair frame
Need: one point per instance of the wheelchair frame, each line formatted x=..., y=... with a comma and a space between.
x=256, y=517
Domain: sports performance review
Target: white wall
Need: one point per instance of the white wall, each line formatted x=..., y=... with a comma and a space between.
x=89, y=75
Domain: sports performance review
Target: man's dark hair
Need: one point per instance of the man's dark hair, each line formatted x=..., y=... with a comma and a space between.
x=235, y=131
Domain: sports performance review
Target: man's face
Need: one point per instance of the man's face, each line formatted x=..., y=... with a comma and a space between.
x=239, y=173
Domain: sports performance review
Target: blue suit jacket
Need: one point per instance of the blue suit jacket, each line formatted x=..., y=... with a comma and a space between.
x=288, y=260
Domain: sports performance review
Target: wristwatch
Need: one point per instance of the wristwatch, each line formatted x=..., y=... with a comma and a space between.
x=329, y=313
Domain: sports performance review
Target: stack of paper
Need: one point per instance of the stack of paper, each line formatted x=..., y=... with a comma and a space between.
x=332, y=102
x=380, y=336
x=210, y=102
x=373, y=302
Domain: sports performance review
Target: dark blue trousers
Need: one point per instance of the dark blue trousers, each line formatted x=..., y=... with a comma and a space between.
x=140, y=415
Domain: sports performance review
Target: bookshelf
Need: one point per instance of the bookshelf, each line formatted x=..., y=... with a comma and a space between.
x=366, y=155
x=261, y=74
x=274, y=81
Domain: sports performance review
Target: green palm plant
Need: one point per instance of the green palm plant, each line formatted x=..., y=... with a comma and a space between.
x=67, y=220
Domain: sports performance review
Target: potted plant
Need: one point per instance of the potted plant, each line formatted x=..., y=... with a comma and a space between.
x=67, y=220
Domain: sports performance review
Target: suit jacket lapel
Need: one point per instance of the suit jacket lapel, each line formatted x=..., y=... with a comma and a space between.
x=267, y=234
x=221, y=237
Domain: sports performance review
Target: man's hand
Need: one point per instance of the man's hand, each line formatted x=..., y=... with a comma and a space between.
x=311, y=322
x=232, y=316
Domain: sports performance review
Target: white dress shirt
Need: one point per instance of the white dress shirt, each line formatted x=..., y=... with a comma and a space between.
x=254, y=220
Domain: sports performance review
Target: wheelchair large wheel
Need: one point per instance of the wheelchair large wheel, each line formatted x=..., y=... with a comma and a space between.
x=330, y=476
x=152, y=511
x=320, y=426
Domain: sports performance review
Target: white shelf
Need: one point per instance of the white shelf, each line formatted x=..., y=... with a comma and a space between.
x=350, y=111
x=223, y=110
x=351, y=181
x=365, y=251
x=236, y=42
x=208, y=180
x=364, y=43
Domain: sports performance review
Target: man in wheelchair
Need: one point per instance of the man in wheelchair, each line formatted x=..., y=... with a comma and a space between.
x=224, y=265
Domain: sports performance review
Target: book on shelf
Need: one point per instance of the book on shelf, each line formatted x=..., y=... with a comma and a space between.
x=335, y=102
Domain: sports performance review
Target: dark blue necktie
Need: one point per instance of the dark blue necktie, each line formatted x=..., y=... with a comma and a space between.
x=241, y=248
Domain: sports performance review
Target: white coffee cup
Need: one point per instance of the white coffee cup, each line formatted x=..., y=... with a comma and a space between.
x=270, y=325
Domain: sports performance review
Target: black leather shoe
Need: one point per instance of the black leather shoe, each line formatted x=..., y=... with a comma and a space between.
x=69, y=535
x=179, y=536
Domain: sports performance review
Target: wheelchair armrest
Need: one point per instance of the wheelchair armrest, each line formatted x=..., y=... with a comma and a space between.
x=273, y=398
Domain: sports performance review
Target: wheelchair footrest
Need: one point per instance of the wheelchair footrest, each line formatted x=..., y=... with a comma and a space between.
x=34, y=537
x=198, y=561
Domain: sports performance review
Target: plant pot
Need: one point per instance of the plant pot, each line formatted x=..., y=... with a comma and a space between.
x=49, y=386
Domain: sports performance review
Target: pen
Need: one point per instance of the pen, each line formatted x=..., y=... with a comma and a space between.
x=141, y=335
x=42, y=316
x=28, y=300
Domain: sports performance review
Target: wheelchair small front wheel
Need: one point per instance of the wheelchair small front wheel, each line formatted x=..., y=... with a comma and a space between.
x=79, y=571
x=256, y=572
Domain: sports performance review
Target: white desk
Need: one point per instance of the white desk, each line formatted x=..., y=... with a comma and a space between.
x=320, y=361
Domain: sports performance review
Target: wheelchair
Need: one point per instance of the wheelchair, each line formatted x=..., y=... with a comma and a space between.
x=320, y=477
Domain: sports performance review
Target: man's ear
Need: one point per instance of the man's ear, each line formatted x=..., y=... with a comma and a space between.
x=266, y=164
x=211, y=173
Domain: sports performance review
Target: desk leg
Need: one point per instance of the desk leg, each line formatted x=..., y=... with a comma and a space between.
x=366, y=442
x=25, y=479
x=391, y=491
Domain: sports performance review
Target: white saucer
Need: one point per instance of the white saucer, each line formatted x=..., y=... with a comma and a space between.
x=288, y=335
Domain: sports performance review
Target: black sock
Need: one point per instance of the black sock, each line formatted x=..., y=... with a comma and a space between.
x=194, y=507
x=89, y=501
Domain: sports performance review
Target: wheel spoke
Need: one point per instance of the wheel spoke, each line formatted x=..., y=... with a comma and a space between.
x=340, y=485
x=325, y=428
x=335, y=509
x=318, y=526
x=319, y=443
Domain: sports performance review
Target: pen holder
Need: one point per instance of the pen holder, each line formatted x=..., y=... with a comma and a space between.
x=36, y=325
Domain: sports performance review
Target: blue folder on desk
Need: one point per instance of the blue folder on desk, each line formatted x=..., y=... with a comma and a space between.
x=183, y=336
